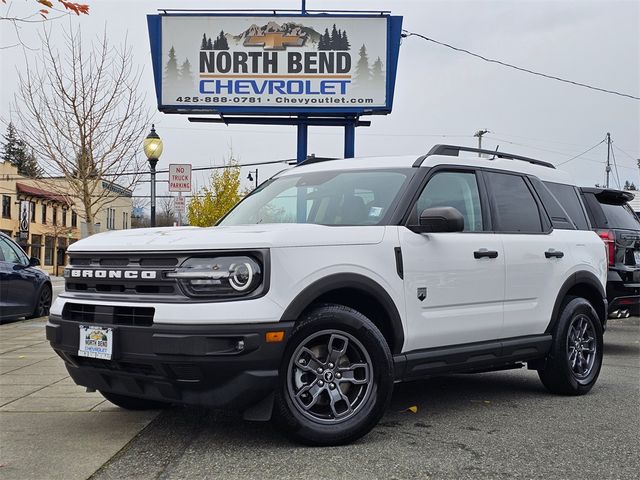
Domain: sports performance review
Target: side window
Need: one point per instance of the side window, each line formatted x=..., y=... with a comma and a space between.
x=452, y=189
x=568, y=198
x=11, y=254
x=516, y=209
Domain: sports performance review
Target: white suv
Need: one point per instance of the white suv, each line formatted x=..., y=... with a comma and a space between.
x=334, y=280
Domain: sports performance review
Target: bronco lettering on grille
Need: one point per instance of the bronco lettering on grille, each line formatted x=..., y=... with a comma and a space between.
x=128, y=274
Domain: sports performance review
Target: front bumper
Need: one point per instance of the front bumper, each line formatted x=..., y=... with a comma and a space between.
x=220, y=366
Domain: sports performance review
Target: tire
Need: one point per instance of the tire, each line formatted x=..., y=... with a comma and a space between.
x=574, y=361
x=43, y=304
x=346, y=398
x=133, y=403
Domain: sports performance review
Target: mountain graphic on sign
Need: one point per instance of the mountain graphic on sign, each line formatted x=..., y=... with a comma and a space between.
x=271, y=36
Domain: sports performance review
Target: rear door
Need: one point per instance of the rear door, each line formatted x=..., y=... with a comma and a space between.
x=537, y=257
x=454, y=281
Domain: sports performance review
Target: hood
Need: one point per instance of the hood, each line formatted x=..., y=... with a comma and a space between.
x=214, y=238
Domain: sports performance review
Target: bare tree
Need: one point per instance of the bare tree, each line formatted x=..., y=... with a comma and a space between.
x=167, y=215
x=82, y=112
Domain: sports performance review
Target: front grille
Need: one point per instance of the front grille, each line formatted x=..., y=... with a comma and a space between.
x=99, y=267
x=108, y=315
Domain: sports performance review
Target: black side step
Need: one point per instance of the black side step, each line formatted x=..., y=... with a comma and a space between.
x=484, y=356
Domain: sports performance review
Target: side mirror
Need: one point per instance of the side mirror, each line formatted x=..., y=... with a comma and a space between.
x=34, y=262
x=439, y=219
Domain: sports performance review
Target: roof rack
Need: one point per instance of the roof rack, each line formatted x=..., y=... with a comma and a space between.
x=454, y=151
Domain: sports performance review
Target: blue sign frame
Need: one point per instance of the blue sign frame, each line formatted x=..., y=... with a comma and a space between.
x=394, y=31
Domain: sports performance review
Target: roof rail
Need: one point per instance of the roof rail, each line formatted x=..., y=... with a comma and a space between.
x=454, y=151
x=313, y=159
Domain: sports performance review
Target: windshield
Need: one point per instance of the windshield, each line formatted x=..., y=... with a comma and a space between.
x=338, y=197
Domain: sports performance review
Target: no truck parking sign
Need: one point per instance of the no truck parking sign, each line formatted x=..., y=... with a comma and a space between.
x=180, y=177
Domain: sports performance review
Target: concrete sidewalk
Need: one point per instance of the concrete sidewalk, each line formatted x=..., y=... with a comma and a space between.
x=49, y=427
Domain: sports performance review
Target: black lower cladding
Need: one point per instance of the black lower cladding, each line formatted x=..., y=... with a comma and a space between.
x=221, y=366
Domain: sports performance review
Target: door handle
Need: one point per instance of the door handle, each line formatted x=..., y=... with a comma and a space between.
x=553, y=254
x=483, y=252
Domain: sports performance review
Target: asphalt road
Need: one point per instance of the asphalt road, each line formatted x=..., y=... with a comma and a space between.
x=492, y=425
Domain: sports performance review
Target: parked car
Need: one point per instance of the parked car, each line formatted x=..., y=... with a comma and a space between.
x=618, y=226
x=334, y=280
x=25, y=291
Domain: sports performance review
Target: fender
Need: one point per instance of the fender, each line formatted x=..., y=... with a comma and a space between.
x=578, y=278
x=348, y=280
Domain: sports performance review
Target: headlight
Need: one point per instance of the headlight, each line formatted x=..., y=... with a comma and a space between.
x=219, y=276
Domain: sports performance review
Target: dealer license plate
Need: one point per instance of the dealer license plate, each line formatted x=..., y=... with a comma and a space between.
x=96, y=342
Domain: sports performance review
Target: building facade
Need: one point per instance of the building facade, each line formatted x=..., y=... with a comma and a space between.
x=45, y=222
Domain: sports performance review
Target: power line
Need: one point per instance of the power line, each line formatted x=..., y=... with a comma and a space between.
x=628, y=155
x=579, y=155
x=406, y=33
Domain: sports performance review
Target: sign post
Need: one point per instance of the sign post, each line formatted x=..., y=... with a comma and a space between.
x=180, y=181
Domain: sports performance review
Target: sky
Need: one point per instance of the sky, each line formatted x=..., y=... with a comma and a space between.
x=441, y=96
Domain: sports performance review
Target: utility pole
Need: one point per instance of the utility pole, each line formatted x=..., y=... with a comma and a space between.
x=608, y=169
x=479, y=134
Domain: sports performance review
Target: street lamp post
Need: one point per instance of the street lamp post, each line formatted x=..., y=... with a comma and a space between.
x=250, y=176
x=152, y=146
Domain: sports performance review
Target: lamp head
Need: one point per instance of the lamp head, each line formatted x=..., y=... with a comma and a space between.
x=152, y=145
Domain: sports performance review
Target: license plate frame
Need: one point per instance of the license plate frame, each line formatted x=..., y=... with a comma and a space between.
x=95, y=342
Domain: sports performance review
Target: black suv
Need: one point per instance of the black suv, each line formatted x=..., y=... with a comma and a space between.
x=619, y=227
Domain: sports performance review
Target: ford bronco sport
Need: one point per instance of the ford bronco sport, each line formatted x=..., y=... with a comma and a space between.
x=334, y=280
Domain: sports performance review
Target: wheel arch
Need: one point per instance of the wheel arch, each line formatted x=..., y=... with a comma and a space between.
x=581, y=284
x=358, y=292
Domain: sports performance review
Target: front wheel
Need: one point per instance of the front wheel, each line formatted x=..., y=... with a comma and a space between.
x=336, y=378
x=575, y=359
x=43, y=304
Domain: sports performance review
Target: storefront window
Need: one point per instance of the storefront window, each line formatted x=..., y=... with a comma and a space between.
x=36, y=246
x=48, y=250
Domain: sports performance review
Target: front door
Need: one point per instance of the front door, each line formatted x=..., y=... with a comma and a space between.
x=454, y=282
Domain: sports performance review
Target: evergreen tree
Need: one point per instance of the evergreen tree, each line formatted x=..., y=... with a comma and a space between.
x=632, y=186
x=335, y=38
x=209, y=44
x=363, y=74
x=321, y=44
x=15, y=151
x=220, y=42
x=171, y=69
x=626, y=185
x=325, y=40
x=203, y=45
x=377, y=74
x=185, y=72
x=224, y=44
x=345, y=41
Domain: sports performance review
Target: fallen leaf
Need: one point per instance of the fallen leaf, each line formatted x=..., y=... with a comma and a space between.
x=412, y=409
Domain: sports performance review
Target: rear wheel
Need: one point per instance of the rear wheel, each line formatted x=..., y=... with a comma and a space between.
x=575, y=359
x=133, y=403
x=43, y=304
x=336, y=378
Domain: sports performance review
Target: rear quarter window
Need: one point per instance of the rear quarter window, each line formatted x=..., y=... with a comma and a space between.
x=568, y=197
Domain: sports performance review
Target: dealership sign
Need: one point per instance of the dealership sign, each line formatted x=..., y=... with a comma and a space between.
x=273, y=63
